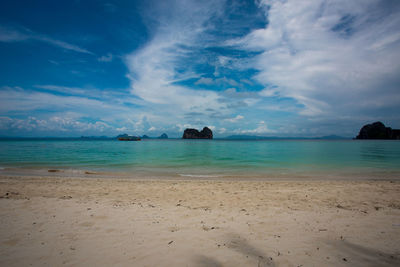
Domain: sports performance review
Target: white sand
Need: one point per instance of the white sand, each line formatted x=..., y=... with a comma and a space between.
x=108, y=222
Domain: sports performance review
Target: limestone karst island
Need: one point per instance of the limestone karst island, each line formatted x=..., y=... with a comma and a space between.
x=206, y=133
x=378, y=130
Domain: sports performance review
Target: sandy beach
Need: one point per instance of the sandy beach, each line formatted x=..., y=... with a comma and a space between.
x=54, y=221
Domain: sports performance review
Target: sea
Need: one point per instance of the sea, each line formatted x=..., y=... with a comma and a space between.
x=204, y=159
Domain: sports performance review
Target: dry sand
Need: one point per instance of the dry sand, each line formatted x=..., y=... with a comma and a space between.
x=109, y=222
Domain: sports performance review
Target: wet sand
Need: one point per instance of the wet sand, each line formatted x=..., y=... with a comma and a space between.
x=58, y=221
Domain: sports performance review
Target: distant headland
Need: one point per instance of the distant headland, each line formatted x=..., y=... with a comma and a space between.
x=206, y=133
x=163, y=136
x=378, y=130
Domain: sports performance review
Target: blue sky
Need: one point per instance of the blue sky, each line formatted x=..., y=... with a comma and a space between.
x=270, y=68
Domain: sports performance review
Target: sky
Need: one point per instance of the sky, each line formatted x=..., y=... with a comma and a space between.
x=267, y=67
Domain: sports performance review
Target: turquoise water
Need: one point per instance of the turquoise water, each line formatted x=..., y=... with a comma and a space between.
x=209, y=158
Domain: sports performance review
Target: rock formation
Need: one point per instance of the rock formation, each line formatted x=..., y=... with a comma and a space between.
x=122, y=136
x=378, y=130
x=125, y=137
x=163, y=136
x=206, y=133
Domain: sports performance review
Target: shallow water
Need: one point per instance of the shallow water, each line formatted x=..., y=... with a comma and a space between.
x=209, y=158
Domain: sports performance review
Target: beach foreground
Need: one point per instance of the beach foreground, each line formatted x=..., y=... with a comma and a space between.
x=113, y=222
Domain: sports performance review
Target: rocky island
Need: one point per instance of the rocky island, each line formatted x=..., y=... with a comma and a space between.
x=206, y=133
x=126, y=137
x=378, y=130
x=163, y=136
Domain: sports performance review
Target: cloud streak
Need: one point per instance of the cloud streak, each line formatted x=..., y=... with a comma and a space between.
x=155, y=68
x=9, y=35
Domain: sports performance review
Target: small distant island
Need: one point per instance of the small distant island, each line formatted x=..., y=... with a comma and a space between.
x=378, y=130
x=259, y=137
x=206, y=133
x=163, y=136
x=126, y=137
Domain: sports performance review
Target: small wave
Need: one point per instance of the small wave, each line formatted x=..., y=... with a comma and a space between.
x=201, y=175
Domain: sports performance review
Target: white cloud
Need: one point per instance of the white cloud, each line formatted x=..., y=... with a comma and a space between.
x=219, y=81
x=154, y=68
x=182, y=127
x=246, y=81
x=106, y=58
x=267, y=92
x=260, y=129
x=333, y=57
x=235, y=119
x=52, y=124
x=14, y=99
x=122, y=129
x=221, y=130
x=66, y=109
x=12, y=35
x=206, y=81
x=63, y=89
x=222, y=61
x=54, y=62
x=9, y=35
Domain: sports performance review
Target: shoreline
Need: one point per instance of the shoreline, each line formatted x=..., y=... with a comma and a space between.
x=212, y=176
x=108, y=221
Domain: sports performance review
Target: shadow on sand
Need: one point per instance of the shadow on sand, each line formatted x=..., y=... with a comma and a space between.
x=201, y=260
x=363, y=256
x=240, y=245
